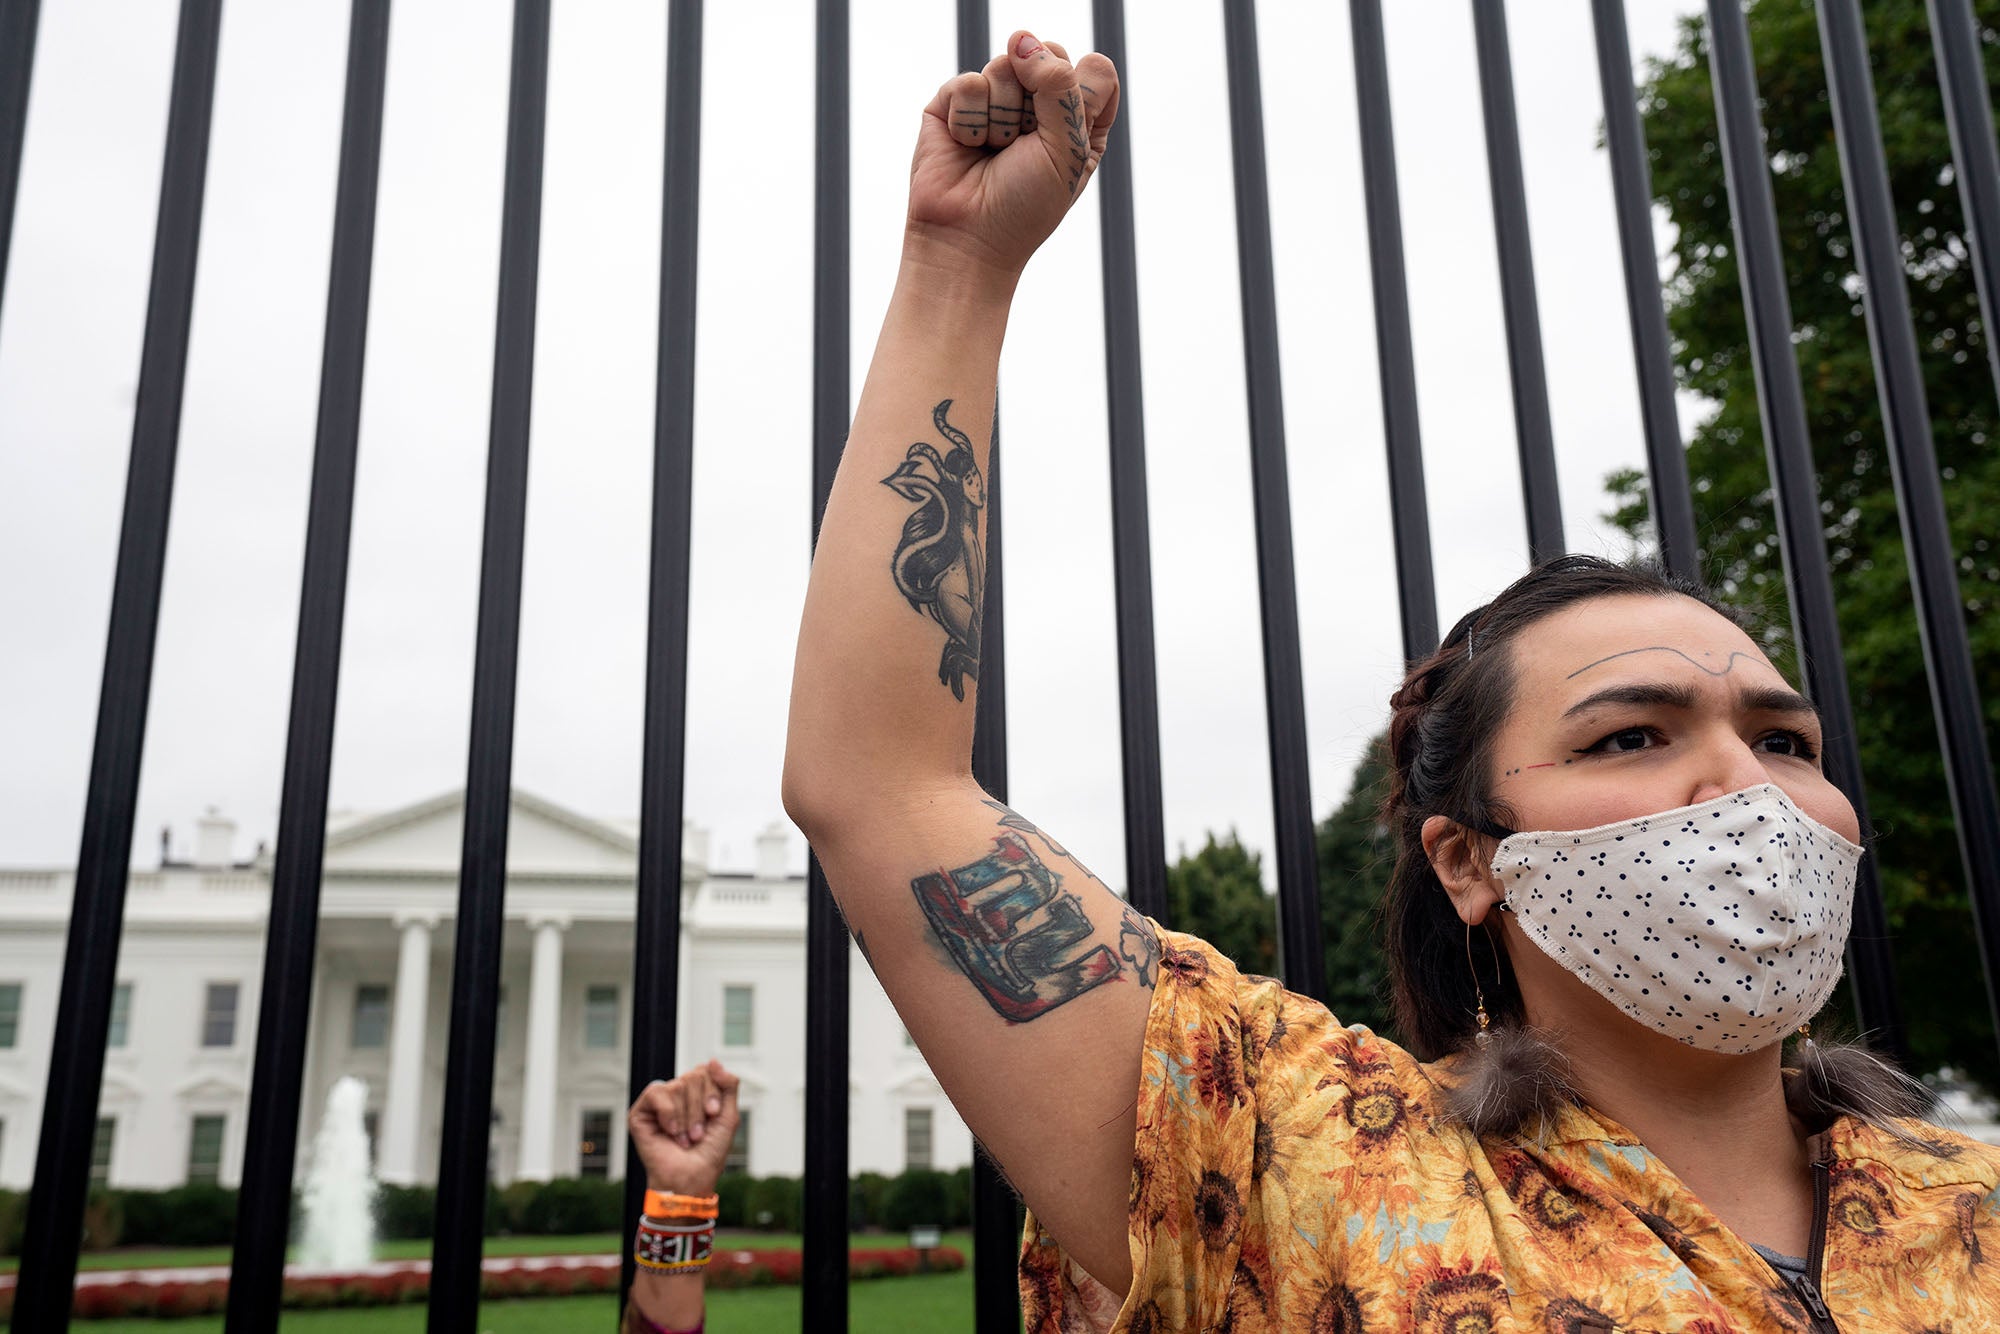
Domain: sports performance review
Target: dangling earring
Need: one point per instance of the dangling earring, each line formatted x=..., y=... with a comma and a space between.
x=1482, y=1037
x=1805, y=1037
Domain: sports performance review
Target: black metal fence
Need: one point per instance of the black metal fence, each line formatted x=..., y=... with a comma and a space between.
x=49, y=1259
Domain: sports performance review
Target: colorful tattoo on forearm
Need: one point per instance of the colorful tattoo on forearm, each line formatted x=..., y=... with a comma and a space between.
x=939, y=565
x=1022, y=939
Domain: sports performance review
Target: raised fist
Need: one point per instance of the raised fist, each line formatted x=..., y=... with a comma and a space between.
x=682, y=1128
x=1003, y=153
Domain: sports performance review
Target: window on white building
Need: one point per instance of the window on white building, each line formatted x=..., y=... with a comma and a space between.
x=500, y=1020
x=738, y=1007
x=600, y=1018
x=593, y=1149
x=218, y=1015
x=371, y=1124
x=738, y=1157
x=100, y=1150
x=205, y=1150
x=371, y=1016
x=10, y=1013
x=908, y=1041
x=916, y=1138
x=121, y=1016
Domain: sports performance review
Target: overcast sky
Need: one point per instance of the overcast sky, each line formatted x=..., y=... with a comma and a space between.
x=74, y=307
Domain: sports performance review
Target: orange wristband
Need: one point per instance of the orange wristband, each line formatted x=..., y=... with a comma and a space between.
x=665, y=1204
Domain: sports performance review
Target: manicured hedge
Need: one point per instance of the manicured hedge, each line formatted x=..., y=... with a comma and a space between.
x=205, y=1215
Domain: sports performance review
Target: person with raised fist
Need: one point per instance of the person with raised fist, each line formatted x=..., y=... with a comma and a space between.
x=681, y=1129
x=1622, y=881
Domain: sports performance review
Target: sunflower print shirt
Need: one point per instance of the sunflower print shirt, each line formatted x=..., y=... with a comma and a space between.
x=1293, y=1174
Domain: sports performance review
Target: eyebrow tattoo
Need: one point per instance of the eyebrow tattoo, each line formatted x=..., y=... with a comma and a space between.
x=1725, y=670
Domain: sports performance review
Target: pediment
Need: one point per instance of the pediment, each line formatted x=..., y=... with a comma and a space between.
x=209, y=1088
x=116, y=1089
x=923, y=1084
x=542, y=839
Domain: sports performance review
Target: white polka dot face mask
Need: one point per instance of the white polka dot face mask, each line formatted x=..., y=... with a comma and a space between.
x=1721, y=924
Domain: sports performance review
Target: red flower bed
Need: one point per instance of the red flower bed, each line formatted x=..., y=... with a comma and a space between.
x=727, y=1269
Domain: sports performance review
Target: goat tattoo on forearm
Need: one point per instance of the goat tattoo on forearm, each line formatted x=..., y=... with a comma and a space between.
x=939, y=565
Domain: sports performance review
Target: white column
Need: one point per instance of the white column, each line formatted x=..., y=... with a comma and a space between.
x=538, y=1076
x=402, y=1110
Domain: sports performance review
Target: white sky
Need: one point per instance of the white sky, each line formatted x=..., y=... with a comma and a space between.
x=74, y=309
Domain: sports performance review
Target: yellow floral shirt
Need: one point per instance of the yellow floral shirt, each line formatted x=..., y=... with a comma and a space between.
x=1292, y=1174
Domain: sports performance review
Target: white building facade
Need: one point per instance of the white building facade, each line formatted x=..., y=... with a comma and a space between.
x=178, y=1063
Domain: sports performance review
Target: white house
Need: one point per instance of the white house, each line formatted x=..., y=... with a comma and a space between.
x=178, y=1064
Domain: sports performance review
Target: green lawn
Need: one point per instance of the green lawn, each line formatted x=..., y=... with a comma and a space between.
x=597, y=1243
x=920, y=1305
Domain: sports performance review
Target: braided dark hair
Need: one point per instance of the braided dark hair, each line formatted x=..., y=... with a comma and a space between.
x=1447, y=713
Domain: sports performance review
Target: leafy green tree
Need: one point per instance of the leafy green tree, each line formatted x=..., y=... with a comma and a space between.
x=1218, y=894
x=1356, y=851
x=1923, y=882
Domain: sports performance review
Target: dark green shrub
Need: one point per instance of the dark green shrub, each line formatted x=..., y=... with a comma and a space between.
x=776, y=1203
x=958, y=1198
x=864, y=1196
x=915, y=1197
x=514, y=1198
x=103, y=1219
x=197, y=1215
x=404, y=1213
x=733, y=1200
x=570, y=1205
x=13, y=1217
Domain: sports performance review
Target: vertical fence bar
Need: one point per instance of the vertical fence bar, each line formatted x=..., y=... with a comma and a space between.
x=1396, y=360
x=263, y=1210
x=1906, y=419
x=482, y=884
x=18, y=20
x=824, y=1290
x=1534, y=432
x=1667, y=490
x=996, y=1214
x=54, y=1224
x=656, y=936
x=1975, y=159
x=1302, y=957
x=1131, y=542
x=1795, y=489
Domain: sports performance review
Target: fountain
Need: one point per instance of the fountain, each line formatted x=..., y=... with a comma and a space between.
x=339, y=1197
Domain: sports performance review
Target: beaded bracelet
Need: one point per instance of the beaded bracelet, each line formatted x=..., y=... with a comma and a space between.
x=673, y=1244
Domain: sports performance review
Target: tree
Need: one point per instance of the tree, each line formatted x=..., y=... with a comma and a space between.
x=1218, y=894
x=1356, y=851
x=1923, y=881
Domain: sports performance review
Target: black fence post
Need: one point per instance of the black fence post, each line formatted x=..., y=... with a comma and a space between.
x=54, y=1225
x=466, y=1133
x=1416, y=586
x=1975, y=158
x=18, y=20
x=656, y=936
x=263, y=1209
x=1906, y=421
x=1795, y=489
x=1131, y=542
x=1301, y=954
x=1534, y=431
x=1667, y=492
x=824, y=1288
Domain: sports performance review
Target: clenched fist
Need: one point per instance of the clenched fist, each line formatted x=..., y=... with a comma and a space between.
x=682, y=1129
x=1003, y=153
